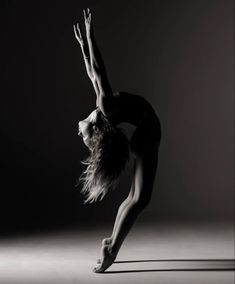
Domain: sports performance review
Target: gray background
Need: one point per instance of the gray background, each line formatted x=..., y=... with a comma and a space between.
x=177, y=54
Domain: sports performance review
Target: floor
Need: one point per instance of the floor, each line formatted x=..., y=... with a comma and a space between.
x=151, y=254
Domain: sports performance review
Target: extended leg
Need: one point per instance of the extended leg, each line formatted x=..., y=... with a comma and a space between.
x=118, y=216
x=144, y=177
x=108, y=241
x=123, y=206
x=125, y=203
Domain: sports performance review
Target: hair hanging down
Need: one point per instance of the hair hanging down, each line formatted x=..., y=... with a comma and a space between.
x=108, y=157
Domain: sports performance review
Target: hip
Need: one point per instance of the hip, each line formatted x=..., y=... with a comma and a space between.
x=147, y=135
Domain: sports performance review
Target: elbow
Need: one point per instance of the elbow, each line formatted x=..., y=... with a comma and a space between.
x=97, y=70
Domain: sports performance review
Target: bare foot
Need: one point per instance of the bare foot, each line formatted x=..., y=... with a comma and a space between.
x=107, y=260
x=105, y=242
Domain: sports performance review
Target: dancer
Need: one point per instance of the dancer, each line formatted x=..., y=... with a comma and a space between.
x=110, y=148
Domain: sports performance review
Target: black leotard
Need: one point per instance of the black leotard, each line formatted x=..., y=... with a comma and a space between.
x=132, y=109
x=137, y=111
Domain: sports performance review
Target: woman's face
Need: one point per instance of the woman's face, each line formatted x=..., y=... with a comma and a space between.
x=87, y=127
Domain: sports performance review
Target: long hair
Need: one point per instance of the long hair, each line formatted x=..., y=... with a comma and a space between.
x=108, y=156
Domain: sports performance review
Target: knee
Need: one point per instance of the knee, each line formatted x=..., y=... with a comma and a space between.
x=141, y=202
x=128, y=200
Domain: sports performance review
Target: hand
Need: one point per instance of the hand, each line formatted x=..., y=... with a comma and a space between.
x=78, y=34
x=87, y=19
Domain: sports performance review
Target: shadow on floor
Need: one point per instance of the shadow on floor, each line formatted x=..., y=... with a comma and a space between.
x=180, y=265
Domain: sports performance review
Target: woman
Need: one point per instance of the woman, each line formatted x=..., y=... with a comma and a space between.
x=109, y=147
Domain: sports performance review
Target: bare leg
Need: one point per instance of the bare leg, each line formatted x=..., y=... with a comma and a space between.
x=124, y=203
x=144, y=177
x=108, y=241
x=119, y=214
x=109, y=252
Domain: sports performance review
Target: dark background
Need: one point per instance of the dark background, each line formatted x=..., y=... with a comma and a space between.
x=177, y=54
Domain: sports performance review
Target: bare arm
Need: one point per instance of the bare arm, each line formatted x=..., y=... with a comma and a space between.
x=95, y=66
x=86, y=56
x=104, y=99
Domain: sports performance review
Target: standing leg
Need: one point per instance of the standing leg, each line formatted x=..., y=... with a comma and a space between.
x=122, y=207
x=108, y=241
x=144, y=178
x=119, y=214
x=145, y=170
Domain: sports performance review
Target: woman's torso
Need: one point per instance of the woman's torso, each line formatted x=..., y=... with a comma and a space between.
x=137, y=111
x=131, y=109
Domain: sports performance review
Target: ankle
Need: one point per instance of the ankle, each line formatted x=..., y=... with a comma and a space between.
x=113, y=249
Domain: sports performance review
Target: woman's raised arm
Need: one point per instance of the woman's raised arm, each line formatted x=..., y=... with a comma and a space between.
x=86, y=56
x=97, y=64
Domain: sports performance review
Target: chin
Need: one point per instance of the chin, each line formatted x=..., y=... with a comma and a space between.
x=87, y=143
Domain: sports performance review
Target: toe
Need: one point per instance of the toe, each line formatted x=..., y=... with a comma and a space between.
x=98, y=269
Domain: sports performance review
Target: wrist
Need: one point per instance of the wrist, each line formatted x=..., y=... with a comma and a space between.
x=89, y=34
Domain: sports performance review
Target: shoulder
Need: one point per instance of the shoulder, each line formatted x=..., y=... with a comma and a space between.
x=108, y=104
